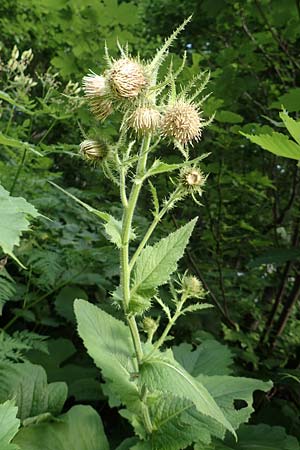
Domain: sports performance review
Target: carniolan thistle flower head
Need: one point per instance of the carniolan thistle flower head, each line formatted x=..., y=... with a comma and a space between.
x=145, y=119
x=97, y=92
x=182, y=122
x=94, y=151
x=126, y=78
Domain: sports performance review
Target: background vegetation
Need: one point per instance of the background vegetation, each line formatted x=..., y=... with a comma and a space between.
x=245, y=247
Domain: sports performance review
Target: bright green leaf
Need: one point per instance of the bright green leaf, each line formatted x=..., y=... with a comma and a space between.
x=14, y=212
x=276, y=143
x=9, y=425
x=166, y=375
x=156, y=263
x=79, y=429
x=108, y=342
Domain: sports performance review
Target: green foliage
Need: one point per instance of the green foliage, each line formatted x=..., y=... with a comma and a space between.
x=9, y=425
x=109, y=344
x=244, y=248
x=260, y=437
x=80, y=429
x=27, y=384
x=156, y=263
x=14, y=212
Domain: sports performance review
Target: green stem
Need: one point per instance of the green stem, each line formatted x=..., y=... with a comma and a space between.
x=166, y=331
x=126, y=230
x=152, y=227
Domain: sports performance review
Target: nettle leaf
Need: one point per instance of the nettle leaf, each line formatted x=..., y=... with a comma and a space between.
x=80, y=428
x=9, y=425
x=229, y=391
x=166, y=375
x=258, y=437
x=156, y=263
x=108, y=342
x=292, y=126
x=27, y=384
x=14, y=212
x=276, y=143
x=209, y=358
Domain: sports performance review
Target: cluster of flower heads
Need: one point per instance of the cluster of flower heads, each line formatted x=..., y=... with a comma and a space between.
x=128, y=85
x=148, y=106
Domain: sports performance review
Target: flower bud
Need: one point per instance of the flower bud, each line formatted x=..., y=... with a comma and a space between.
x=126, y=78
x=145, y=120
x=94, y=151
x=182, y=122
x=192, y=179
x=192, y=287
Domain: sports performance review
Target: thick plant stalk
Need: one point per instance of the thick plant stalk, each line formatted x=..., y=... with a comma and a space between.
x=124, y=254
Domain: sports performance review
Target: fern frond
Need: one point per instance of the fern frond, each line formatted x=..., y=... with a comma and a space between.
x=48, y=265
x=7, y=288
x=14, y=348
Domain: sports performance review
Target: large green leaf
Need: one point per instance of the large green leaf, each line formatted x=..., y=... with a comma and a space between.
x=79, y=429
x=108, y=342
x=257, y=437
x=14, y=212
x=176, y=423
x=163, y=373
x=9, y=425
x=209, y=358
x=156, y=263
x=276, y=143
x=227, y=390
x=27, y=384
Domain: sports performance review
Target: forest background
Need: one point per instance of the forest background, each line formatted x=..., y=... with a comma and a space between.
x=245, y=247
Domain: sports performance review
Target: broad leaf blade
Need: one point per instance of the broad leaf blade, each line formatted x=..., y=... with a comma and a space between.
x=14, y=212
x=227, y=389
x=276, y=143
x=79, y=429
x=27, y=383
x=156, y=263
x=166, y=375
x=108, y=342
x=209, y=358
x=9, y=425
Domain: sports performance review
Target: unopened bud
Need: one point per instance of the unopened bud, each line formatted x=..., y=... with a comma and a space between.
x=192, y=287
x=94, y=151
x=192, y=179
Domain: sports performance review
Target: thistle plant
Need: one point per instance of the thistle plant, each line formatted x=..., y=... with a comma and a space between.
x=168, y=407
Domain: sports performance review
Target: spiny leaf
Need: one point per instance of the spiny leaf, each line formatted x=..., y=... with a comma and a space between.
x=156, y=263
